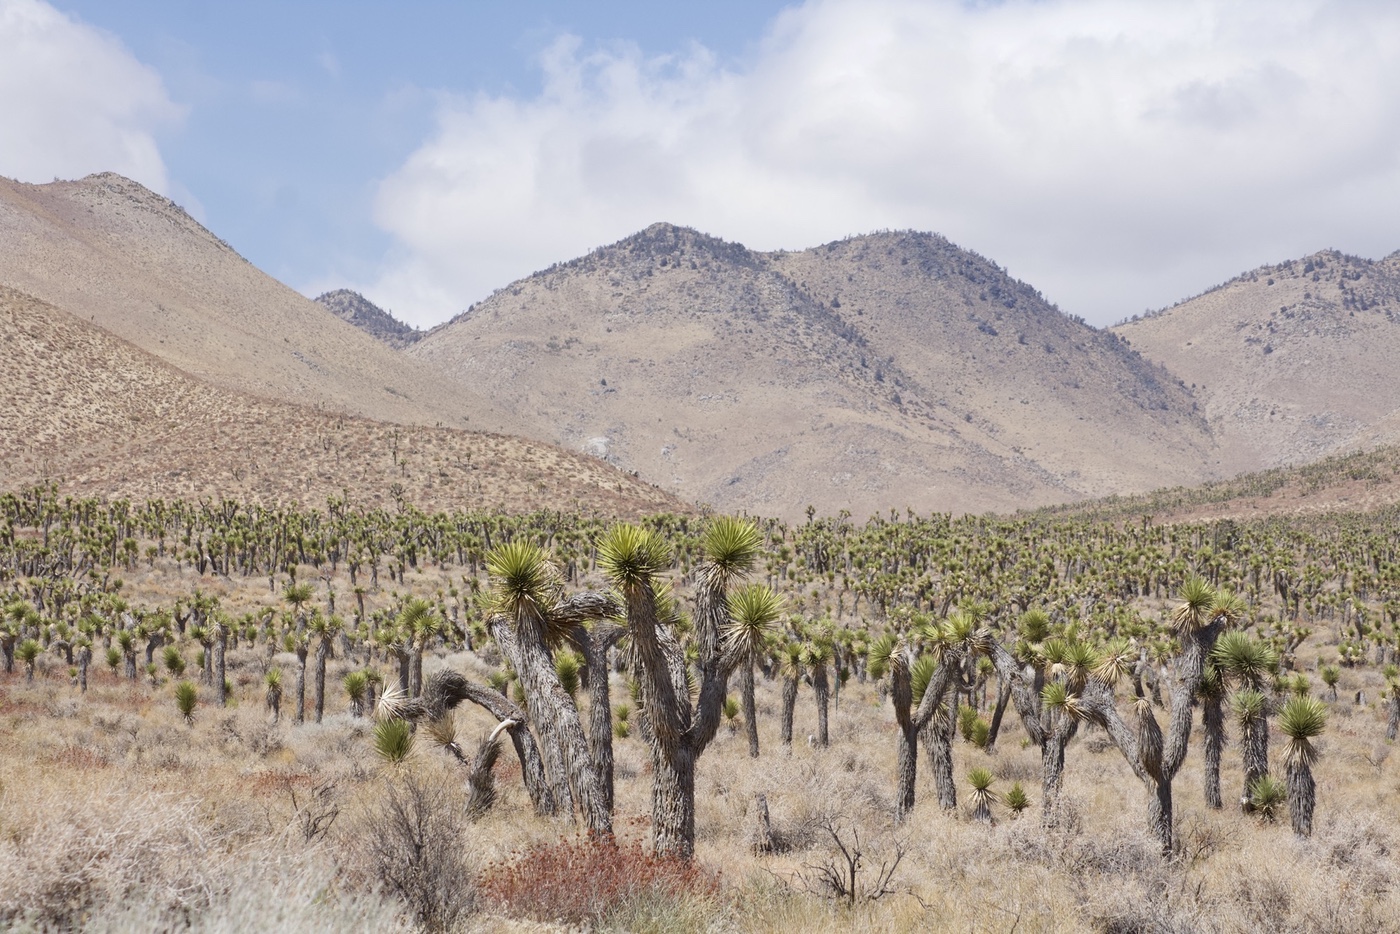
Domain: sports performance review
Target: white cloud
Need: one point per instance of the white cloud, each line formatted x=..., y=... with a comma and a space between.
x=73, y=100
x=1117, y=155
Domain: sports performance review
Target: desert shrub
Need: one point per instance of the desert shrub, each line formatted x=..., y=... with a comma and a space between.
x=587, y=880
x=417, y=855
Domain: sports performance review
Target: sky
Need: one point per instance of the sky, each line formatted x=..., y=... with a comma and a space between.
x=1118, y=155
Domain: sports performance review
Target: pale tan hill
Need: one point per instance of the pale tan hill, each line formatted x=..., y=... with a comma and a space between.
x=1356, y=482
x=880, y=372
x=111, y=252
x=354, y=308
x=1291, y=362
x=100, y=416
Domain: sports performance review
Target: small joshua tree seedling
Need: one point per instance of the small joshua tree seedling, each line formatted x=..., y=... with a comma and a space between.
x=186, y=699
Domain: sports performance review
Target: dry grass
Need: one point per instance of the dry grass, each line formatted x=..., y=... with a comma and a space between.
x=115, y=811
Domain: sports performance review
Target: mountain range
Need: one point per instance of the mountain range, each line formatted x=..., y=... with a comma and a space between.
x=881, y=371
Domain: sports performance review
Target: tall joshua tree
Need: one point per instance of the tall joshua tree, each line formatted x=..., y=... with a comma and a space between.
x=1156, y=758
x=752, y=610
x=791, y=665
x=1302, y=720
x=677, y=730
x=1249, y=663
x=918, y=686
x=526, y=588
x=1228, y=608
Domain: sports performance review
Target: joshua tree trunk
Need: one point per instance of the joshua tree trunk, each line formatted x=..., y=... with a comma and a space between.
x=323, y=650
x=1051, y=730
x=595, y=645
x=84, y=659
x=415, y=667
x=301, y=682
x=789, y=708
x=446, y=689
x=1254, y=750
x=1003, y=698
x=1213, y=719
x=911, y=724
x=220, y=674
x=404, y=657
x=1302, y=796
x=907, y=753
x=746, y=694
x=1392, y=725
x=937, y=736
x=1052, y=768
x=823, y=695
x=551, y=704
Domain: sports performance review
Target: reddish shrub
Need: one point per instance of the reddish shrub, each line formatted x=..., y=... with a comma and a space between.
x=579, y=880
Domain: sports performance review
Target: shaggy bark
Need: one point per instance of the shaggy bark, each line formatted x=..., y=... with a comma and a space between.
x=301, y=649
x=937, y=736
x=912, y=723
x=569, y=760
x=789, y=708
x=446, y=689
x=594, y=645
x=1254, y=750
x=1003, y=698
x=1302, y=796
x=746, y=695
x=821, y=690
x=1213, y=721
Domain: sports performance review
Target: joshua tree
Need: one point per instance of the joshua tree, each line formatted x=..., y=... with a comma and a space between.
x=1228, y=608
x=791, y=665
x=323, y=630
x=1250, y=664
x=1330, y=675
x=29, y=651
x=818, y=658
x=981, y=780
x=917, y=687
x=677, y=730
x=1048, y=677
x=445, y=690
x=1303, y=719
x=273, y=680
x=752, y=611
x=298, y=643
x=1155, y=758
x=84, y=660
x=1392, y=703
x=356, y=686
x=527, y=588
x=186, y=698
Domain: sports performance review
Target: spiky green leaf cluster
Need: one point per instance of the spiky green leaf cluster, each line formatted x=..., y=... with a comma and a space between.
x=631, y=556
x=522, y=579
x=393, y=740
x=1302, y=720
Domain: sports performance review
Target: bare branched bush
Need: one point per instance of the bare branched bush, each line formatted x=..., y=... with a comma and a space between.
x=411, y=845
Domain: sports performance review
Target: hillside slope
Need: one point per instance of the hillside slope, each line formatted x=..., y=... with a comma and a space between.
x=878, y=372
x=1291, y=362
x=100, y=416
x=114, y=253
